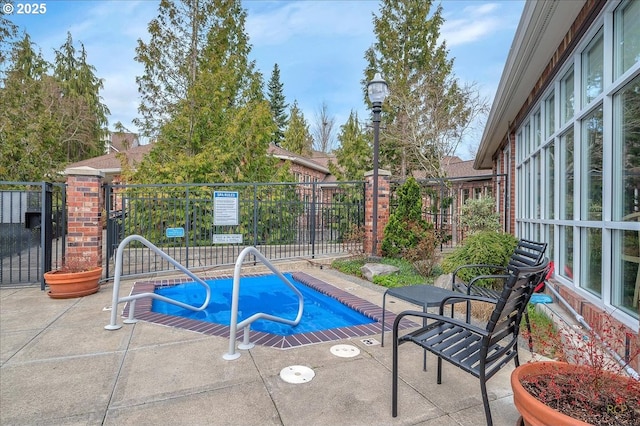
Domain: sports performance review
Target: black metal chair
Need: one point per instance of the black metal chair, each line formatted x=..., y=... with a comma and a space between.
x=479, y=351
x=527, y=253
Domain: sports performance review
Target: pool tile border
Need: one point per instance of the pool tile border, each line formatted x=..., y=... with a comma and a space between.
x=143, y=312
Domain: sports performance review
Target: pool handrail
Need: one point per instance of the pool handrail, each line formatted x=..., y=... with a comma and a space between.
x=113, y=325
x=234, y=325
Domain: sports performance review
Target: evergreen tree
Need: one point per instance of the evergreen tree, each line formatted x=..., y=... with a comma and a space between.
x=8, y=32
x=297, y=138
x=47, y=121
x=170, y=60
x=202, y=97
x=355, y=154
x=27, y=116
x=278, y=104
x=85, y=126
x=428, y=112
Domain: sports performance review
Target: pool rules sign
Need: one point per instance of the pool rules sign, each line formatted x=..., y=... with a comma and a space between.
x=226, y=213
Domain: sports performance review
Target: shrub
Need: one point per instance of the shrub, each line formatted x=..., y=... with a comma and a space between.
x=479, y=214
x=406, y=227
x=598, y=391
x=485, y=247
x=422, y=255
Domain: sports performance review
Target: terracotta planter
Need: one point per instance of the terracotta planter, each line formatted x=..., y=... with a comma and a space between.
x=534, y=412
x=65, y=285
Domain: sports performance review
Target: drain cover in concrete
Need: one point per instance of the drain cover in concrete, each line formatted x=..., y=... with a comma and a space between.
x=297, y=374
x=345, y=351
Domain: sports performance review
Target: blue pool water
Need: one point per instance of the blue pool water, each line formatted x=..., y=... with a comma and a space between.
x=266, y=294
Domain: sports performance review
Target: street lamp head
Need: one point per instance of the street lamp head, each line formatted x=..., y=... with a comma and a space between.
x=377, y=89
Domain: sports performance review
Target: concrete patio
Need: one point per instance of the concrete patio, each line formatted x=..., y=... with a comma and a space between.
x=60, y=366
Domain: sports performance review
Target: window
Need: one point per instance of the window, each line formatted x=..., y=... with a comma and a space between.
x=566, y=252
x=550, y=121
x=566, y=97
x=626, y=168
x=566, y=183
x=550, y=181
x=592, y=70
x=591, y=260
x=521, y=150
x=526, y=134
x=524, y=188
x=626, y=197
x=537, y=180
x=592, y=166
x=537, y=135
x=627, y=36
x=550, y=238
x=578, y=167
x=626, y=271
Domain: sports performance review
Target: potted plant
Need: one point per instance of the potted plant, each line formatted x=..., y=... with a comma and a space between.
x=79, y=276
x=585, y=385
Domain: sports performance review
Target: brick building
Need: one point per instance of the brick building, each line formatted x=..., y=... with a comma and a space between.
x=563, y=127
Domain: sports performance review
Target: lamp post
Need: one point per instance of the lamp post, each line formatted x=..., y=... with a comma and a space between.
x=377, y=90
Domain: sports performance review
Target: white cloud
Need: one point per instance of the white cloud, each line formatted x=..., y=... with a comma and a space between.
x=463, y=31
x=480, y=9
x=472, y=24
x=288, y=20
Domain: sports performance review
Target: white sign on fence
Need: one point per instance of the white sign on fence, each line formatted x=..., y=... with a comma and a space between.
x=225, y=208
x=227, y=238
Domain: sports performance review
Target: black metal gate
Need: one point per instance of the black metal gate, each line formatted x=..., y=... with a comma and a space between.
x=196, y=227
x=32, y=231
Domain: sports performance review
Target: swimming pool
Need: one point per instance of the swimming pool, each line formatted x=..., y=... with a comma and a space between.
x=143, y=312
x=267, y=294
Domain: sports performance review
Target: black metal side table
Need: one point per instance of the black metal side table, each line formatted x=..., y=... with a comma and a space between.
x=425, y=295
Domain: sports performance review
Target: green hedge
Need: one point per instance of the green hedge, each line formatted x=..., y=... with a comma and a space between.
x=485, y=247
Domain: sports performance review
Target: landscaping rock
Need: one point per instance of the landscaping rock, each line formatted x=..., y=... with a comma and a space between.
x=370, y=270
x=444, y=281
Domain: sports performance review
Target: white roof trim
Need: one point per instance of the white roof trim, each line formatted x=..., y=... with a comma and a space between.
x=543, y=25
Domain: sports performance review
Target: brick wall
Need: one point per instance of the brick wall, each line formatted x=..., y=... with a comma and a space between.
x=596, y=317
x=84, y=206
x=384, y=181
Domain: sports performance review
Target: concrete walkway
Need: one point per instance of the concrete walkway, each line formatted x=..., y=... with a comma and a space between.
x=59, y=366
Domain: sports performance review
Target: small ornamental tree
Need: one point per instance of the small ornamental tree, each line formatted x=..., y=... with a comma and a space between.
x=593, y=386
x=406, y=227
x=486, y=248
x=479, y=214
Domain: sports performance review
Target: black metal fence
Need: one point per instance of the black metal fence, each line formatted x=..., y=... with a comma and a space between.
x=442, y=201
x=32, y=231
x=206, y=225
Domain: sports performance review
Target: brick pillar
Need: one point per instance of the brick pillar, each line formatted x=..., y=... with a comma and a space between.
x=384, y=178
x=84, y=211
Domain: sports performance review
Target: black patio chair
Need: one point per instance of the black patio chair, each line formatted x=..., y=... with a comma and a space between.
x=527, y=253
x=479, y=351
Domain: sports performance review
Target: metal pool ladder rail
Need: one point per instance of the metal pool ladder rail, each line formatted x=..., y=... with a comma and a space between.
x=113, y=325
x=234, y=325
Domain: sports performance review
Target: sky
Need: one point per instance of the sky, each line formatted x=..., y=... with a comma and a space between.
x=319, y=46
